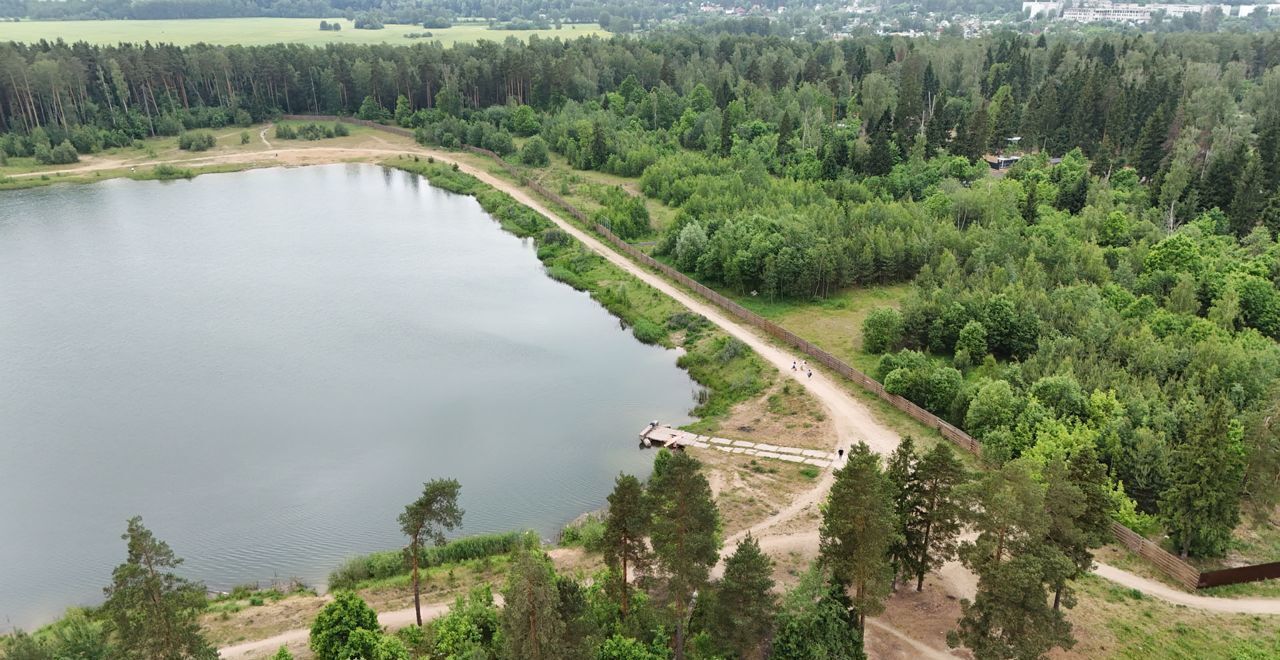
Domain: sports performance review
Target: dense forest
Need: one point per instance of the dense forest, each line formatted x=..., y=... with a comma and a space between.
x=1116, y=287
x=1103, y=315
x=398, y=11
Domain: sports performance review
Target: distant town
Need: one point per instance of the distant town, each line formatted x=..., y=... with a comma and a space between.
x=1099, y=11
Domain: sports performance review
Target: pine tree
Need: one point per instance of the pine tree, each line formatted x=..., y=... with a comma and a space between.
x=744, y=602
x=1010, y=616
x=1031, y=205
x=905, y=494
x=1149, y=151
x=425, y=519
x=1250, y=198
x=599, y=148
x=531, y=625
x=152, y=611
x=1218, y=184
x=684, y=533
x=625, y=529
x=1201, y=505
x=973, y=136
x=938, y=520
x=1078, y=500
x=726, y=132
x=880, y=159
x=858, y=528
x=785, y=131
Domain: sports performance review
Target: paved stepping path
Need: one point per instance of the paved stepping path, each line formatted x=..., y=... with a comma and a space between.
x=658, y=435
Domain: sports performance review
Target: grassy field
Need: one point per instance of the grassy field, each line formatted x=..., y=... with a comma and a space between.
x=257, y=31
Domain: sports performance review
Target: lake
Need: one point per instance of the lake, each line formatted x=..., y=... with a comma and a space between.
x=267, y=365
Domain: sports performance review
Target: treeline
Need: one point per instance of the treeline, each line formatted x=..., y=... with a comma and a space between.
x=396, y=11
x=884, y=526
x=1143, y=262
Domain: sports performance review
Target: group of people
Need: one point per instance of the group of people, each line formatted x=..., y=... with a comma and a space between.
x=802, y=367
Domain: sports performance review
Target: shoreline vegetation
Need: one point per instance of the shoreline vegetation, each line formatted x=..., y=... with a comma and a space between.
x=726, y=370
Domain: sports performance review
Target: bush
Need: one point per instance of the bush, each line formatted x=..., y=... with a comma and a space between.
x=244, y=137
x=60, y=155
x=336, y=633
x=340, y=129
x=586, y=533
x=165, y=172
x=285, y=132
x=648, y=332
x=534, y=152
x=882, y=330
x=196, y=141
x=380, y=565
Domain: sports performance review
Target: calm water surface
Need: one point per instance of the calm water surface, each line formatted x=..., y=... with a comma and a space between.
x=267, y=365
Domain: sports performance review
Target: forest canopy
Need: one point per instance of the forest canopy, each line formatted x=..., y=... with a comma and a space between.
x=1116, y=288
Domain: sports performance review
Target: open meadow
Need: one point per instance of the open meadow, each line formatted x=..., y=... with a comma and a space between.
x=257, y=31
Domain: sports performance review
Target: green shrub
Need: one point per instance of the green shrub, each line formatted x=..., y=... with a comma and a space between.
x=165, y=172
x=196, y=141
x=586, y=533
x=648, y=332
x=882, y=330
x=534, y=152
x=379, y=565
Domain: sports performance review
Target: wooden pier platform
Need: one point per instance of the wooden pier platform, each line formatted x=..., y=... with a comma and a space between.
x=658, y=435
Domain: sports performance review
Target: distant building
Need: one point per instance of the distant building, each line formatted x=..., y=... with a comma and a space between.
x=1095, y=11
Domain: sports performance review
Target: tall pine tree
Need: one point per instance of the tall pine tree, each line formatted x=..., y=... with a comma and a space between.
x=625, y=530
x=858, y=528
x=151, y=610
x=937, y=520
x=684, y=533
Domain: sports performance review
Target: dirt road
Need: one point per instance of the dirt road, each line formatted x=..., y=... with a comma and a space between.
x=852, y=421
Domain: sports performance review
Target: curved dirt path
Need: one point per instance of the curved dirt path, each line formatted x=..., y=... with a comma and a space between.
x=852, y=420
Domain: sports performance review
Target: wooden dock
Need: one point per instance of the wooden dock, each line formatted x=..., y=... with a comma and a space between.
x=658, y=435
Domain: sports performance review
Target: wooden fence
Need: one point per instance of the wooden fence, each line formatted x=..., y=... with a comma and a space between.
x=1169, y=564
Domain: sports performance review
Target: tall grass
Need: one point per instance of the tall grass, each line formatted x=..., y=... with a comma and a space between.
x=389, y=563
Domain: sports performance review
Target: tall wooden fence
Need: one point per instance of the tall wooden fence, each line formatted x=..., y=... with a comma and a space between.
x=1168, y=563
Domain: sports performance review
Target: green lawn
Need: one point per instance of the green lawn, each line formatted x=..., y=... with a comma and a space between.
x=257, y=31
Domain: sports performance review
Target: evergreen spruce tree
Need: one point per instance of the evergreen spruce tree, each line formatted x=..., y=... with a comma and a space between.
x=1201, y=505
x=684, y=533
x=726, y=132
x=785, y=131
x=626, y=528
x=858, y=529
x=744, y=606
x=1220, y=179
x=1149, y=151
x=1250, y=198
